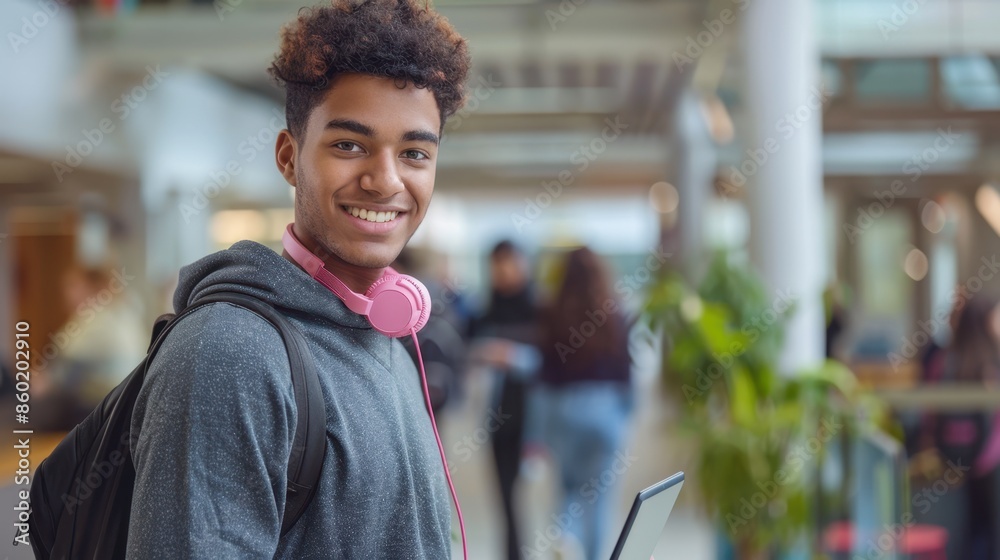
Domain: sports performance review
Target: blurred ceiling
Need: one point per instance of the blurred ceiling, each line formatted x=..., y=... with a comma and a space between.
x=555, y=70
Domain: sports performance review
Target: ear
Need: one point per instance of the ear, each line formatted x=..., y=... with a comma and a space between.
x=285, y=151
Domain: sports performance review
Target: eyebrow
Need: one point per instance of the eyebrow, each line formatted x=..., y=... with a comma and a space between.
x=420, y=136
x=352, y=125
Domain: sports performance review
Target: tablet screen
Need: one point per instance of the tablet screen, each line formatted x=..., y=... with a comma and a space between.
x=647, y=518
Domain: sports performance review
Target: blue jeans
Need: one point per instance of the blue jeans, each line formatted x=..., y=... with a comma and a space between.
x=585, y=426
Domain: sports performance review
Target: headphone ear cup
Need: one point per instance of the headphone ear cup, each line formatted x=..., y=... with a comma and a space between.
x=423, y=299
x=399, y=303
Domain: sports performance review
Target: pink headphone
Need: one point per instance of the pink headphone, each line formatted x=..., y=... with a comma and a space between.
x=395, y=305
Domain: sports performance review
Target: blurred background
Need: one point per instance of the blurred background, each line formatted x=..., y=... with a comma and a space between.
x=791, y=206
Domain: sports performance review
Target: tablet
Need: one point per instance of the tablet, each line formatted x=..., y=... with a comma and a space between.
x=647, y=518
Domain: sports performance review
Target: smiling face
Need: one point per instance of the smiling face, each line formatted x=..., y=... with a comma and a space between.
x=364, y=171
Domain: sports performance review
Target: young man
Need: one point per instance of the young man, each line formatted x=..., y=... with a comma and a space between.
x=368, y=88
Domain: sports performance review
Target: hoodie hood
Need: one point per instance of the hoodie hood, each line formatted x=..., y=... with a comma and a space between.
x=256, y=270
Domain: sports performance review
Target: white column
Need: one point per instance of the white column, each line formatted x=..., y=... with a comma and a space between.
x=694, y=163
x=782, y=165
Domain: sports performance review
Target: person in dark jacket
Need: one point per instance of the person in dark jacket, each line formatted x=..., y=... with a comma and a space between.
x=505, y=337
x=442, y=340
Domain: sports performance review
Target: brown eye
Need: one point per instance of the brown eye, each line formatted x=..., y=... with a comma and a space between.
x=347, y=146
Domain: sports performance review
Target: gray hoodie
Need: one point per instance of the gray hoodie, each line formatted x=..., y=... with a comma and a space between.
x=216, y=417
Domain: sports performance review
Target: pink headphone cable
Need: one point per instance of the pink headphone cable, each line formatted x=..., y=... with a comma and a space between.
x=382, y=305
x=444, y=460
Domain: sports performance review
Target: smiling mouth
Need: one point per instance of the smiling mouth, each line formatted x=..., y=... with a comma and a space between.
x=372, y=215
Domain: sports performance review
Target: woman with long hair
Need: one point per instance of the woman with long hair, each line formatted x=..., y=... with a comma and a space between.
x=974, y=347
x=585, y=383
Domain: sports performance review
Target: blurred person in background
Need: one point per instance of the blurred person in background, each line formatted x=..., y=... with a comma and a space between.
x=587, y=399
x=836, y=321
x=100, y=344
x=505, y=339
x=6, y=378
x=969, y=438
x=442, y=340
x=933, y=359
x=7, y=390
x=918, y=426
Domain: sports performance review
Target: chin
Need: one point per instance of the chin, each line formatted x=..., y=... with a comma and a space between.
x=380, y=256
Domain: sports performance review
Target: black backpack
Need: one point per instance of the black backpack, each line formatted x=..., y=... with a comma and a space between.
x=70, y=520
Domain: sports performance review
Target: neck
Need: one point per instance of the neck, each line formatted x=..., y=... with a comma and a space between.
x=357, y=278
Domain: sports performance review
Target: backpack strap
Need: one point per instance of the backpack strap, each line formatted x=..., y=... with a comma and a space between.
x=305, y=462
x=159, y=324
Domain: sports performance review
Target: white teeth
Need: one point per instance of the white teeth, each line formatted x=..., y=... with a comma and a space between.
x=371, y=215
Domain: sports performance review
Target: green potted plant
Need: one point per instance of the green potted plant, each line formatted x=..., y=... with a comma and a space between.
x=757, y=434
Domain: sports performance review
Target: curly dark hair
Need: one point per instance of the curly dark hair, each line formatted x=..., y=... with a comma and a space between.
x=398, y=39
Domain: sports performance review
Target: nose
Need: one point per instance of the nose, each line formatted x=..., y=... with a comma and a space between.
x=381, y=177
